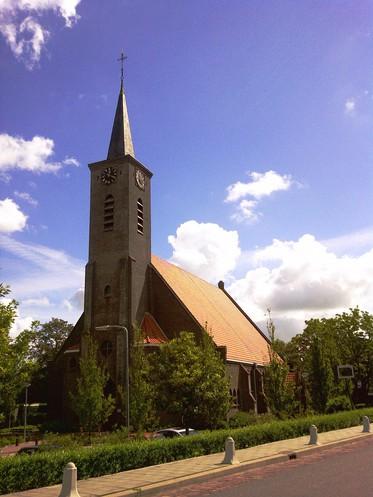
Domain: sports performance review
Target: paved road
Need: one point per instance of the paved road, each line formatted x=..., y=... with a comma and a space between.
x=344, y=470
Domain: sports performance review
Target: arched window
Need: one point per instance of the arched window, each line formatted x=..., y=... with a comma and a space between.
x=140, y=217
x=107, y=291
x=109, y=213
x=106, y=348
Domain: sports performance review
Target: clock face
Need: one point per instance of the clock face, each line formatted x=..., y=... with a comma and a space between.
x=109, y=175
x=140, y=179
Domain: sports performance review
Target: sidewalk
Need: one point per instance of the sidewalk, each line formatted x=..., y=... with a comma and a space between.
x=136, y=480
x=13, y=449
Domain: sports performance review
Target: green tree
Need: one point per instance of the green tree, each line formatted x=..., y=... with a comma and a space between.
x=191, y=381
x=213, y=392
x=142, y=393
x=46, y=339
x=89, y=402
x=279, y=393
x=15, y=367
x=346, y=338
x=321, y=377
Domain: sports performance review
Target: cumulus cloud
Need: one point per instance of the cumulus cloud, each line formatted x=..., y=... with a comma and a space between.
x=206, y=249
x=30, y=155
x=350, y=106
x=261, y=185
x=26, y=197
x=246, y=210
x=20, y=324
x=26, y=40
x=22, y=30
x=76, y=301
x=11, y=217
x=301, y=279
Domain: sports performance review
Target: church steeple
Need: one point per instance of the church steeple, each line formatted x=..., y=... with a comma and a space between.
x=121, y=140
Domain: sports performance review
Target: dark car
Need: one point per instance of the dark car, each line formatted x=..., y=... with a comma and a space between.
x=174, y=432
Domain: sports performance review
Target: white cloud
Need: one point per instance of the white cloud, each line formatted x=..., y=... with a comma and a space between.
x=26, y=197
x=39, y=275
x=350, y=106
x=301, y=279
x=76, y=301
x=26, y=36
x=352, y=242
x=246, y=211
x=261, y=185
x=20, y=324
x=205, y=249
x=11, y=217
x=70, y=161
x=30, y=155
x=26, y=40
x=53, y=263
x=66, y=8
x=40, y=302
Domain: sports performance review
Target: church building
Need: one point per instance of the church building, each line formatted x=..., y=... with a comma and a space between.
x=127, y=286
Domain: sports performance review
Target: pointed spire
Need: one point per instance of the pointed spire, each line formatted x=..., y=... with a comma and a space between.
x=121, y=140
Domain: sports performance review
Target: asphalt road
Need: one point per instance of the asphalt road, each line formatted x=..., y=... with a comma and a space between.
x=343, y=470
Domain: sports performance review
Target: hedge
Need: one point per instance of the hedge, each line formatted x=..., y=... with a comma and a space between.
x=44, y=469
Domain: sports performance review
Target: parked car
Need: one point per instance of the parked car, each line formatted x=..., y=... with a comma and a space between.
x=173, y=433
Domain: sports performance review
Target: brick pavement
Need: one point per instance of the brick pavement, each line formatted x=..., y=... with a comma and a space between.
x=137, y=480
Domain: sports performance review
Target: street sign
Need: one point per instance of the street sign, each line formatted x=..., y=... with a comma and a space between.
x=345, y=371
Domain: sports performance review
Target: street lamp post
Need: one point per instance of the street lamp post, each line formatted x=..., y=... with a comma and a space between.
x=107, y=327
x=25, y=412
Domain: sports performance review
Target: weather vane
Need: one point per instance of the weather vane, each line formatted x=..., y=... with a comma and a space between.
x=121, y=59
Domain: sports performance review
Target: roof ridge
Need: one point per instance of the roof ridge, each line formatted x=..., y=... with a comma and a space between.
x=184, y=270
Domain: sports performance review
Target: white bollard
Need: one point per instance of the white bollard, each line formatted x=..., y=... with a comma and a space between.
x=313, y=435
x=230, y=452
x=366, y=424
x=69, y=488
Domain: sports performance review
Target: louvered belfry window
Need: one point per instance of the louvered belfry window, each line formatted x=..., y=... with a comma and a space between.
x=140, y=216
x=109, y=213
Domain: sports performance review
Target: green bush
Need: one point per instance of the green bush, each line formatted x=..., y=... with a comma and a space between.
x=43, y=469
x=241, y=419
x=75, y=440
x=339, y=403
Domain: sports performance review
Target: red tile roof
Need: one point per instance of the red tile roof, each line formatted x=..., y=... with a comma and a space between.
x=153, y=333
x=211, y=307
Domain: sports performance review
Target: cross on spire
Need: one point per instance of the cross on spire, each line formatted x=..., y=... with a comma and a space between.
x=121, y=59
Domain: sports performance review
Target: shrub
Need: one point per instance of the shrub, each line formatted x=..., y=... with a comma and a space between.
x=339, y=403
x=241, y=419
x=43, y=469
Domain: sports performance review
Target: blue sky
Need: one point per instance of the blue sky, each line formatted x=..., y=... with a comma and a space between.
x=255, y=117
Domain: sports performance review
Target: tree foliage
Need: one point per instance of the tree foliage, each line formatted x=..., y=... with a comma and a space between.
x=346, y=338
x=15, y=366
x=321, y=377
x=192, y=382
x=142, y=390
x=46, y=339
x=89, y=402
x=279, y=393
